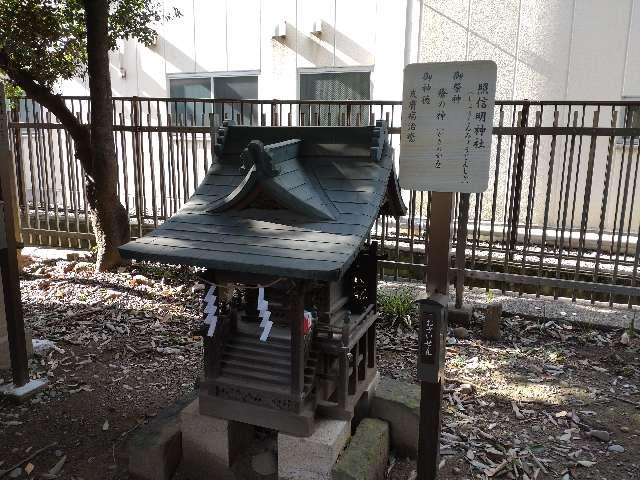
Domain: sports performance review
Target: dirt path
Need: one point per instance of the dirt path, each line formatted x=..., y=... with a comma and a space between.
x=123, y=350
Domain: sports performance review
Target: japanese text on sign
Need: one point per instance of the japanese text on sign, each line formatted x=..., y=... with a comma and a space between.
x=447, y=125
x=427, y=339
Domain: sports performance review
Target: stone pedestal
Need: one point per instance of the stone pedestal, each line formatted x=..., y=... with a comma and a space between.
x=210, y=445
x=313, y=457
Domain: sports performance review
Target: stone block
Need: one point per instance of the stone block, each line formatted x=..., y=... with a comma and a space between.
x=367, y=454
x=313, y=457
x=210, y=445
x=155, y=450
x=398, y=403
x=459, y=316
x=492, y=321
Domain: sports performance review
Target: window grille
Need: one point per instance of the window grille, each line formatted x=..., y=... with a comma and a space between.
x=335, y=86
x=196, y=112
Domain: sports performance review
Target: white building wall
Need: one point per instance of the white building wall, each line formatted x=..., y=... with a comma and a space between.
x=233, y=36
x=544, y=49
x=631, y=86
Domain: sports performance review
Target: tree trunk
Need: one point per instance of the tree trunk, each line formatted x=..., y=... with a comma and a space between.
x=94, y=146
x=110, y=220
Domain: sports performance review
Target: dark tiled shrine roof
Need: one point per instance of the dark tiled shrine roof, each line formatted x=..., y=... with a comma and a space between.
x=282, y=201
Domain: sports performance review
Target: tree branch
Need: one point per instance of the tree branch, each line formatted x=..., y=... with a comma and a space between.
x=56, y=105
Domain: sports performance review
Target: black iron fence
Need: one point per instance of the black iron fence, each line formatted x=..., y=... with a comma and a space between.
x=561, y=215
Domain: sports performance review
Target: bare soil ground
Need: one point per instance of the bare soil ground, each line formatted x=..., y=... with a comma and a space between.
x=124, y=348
x=532, y=404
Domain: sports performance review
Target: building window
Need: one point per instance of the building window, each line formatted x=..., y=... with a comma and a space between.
x=187, y=111
x=187, y=90
x=236, y=88
x=336, y=86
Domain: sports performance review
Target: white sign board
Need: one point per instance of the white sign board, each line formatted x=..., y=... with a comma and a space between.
x=447, y=120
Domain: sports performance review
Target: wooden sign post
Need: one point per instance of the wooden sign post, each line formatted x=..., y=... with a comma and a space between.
x=447, y=120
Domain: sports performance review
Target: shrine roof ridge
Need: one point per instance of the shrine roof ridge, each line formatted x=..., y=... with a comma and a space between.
x=285, y=201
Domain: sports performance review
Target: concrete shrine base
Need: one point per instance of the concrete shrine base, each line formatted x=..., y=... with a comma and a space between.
x=184, y=444
x=312, y=457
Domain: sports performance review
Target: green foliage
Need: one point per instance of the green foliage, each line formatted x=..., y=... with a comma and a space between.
x=398, y=306
x=12, y=92
x=47, y=38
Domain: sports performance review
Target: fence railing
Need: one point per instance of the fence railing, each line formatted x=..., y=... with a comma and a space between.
x=561, y=215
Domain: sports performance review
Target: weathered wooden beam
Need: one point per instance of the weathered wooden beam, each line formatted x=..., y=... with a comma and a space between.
x=553, y=282
x=9, y=264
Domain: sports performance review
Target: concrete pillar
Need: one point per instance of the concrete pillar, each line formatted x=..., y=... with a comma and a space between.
x=211, y=445
x=313, y=457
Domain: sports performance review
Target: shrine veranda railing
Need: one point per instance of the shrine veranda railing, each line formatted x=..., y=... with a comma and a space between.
x=561, y=215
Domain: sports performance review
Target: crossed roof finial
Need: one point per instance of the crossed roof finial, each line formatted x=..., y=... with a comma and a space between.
x=255, y=154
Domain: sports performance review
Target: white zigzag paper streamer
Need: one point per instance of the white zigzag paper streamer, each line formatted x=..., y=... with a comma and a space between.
x=211, y=309
x=264, y=314
x=265, y=318
x=212, y=327
x=266, y=331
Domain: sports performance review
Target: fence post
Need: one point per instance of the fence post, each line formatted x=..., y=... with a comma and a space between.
x=8, y=171
x=517, y=176
x=137, y=162
x=18, y=175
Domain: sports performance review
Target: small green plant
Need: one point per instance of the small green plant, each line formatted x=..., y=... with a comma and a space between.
x=397, y=306
x=554, y=355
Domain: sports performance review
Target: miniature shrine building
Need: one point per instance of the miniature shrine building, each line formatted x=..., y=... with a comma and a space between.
x=281, y=224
